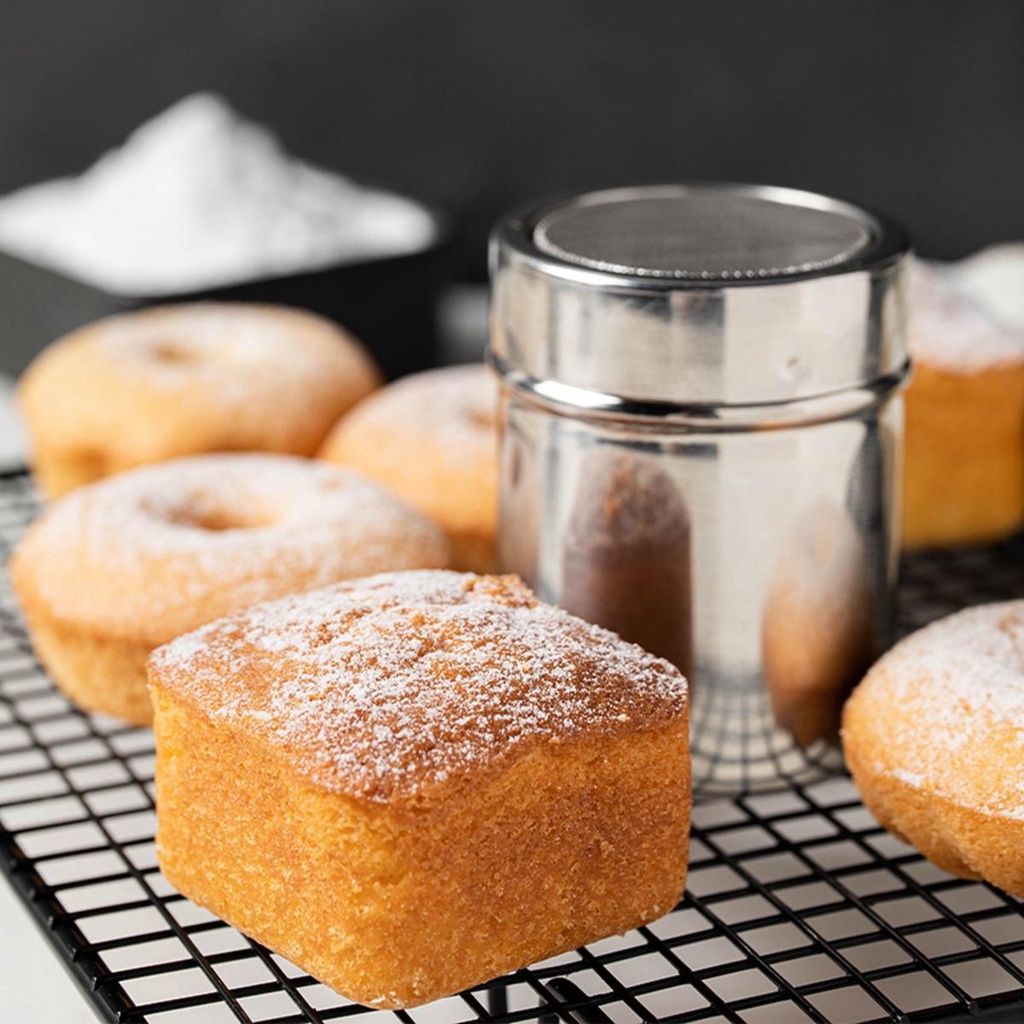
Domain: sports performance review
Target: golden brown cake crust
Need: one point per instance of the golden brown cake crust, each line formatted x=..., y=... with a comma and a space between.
x=168, y=381
x=432, y=439
x=964, y=461
x=396, y=909
x=933, y=739
x=473, y=783
x=389, y=688
x=124, y=565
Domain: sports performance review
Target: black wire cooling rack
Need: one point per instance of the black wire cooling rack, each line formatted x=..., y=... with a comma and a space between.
x=798, y=906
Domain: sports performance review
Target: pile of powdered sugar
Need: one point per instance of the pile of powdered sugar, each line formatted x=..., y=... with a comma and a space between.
x=199, y=197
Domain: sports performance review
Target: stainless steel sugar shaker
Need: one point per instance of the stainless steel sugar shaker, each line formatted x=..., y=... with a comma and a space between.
x=702, y=434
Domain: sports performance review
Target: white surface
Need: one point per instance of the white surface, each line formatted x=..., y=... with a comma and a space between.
x=34, y=988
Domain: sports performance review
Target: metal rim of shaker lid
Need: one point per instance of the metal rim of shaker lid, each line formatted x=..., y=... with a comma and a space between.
x=528, y=233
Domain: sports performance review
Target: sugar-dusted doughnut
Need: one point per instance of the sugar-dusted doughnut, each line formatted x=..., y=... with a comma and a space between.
x=117, y=568
x=444, y=780
x=154, y=384
x=934, y=737
x=432, y=438
x=964, y=465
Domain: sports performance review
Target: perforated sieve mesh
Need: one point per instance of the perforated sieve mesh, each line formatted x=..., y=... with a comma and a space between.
x=684, y=234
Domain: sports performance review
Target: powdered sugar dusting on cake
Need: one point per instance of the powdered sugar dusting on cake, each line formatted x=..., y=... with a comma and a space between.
x=952, y=328
x=995, y=275
x=957, y=688
x=173, y=341
x=383, y=688
x=451, y=405
x=186, y=541
x=243, y=356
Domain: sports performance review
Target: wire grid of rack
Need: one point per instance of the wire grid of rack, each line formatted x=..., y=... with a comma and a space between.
x=798, y=906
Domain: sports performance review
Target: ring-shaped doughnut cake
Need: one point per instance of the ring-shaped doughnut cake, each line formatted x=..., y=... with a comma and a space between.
x=181, y=380
x=117, y=568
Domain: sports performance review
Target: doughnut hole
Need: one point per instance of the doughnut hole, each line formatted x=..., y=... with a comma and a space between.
x=205, y=513
x=216, y=520
x=173, y=352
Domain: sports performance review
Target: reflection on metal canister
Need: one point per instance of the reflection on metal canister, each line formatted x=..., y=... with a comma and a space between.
x=702, y=432
x=626, y=563
x=817, y=634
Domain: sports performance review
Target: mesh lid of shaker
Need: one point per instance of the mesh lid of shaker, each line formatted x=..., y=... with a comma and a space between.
x=705, y=233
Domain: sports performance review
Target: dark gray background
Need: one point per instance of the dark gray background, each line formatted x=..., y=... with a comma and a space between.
x=913, y=107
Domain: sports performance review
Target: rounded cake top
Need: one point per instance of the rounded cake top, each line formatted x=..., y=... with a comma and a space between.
x=221, y=363
x=953, y=701
x=955, y=326
x=450, y=407
x=386, y=687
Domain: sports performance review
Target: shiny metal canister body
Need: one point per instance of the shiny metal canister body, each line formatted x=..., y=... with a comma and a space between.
x=702, y=435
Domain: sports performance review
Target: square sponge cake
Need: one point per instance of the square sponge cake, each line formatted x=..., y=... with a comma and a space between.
x=413, y=783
